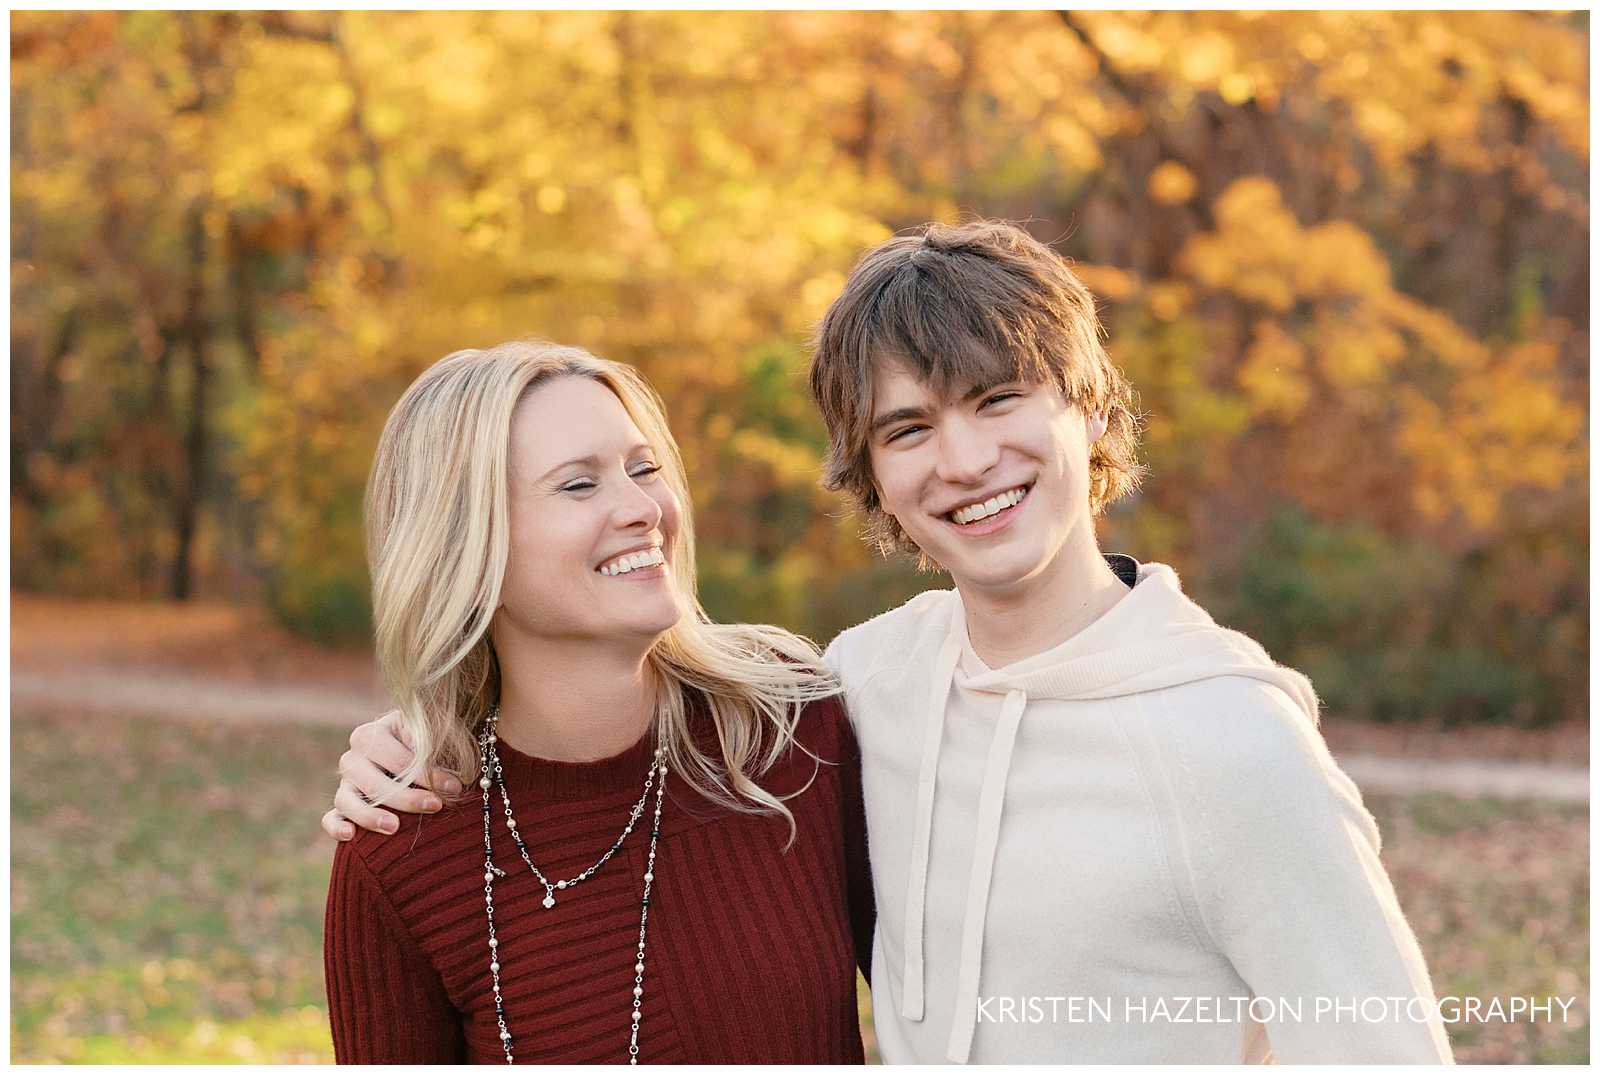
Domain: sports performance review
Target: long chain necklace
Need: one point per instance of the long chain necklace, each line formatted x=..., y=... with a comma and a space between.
x=489, y=762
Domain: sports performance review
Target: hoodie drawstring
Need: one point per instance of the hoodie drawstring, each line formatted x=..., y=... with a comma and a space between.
x=917, y=883
x=991, y=803
x=1155, y=639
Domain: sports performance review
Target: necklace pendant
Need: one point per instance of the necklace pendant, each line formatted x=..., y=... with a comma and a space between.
x=549, y=899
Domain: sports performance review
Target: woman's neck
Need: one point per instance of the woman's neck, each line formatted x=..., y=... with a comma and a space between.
x=571, y=699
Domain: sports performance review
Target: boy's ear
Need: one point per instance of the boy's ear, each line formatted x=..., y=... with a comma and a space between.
x=1096, y=426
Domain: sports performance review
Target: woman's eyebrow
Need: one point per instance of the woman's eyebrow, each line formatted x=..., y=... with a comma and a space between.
x=590, y=460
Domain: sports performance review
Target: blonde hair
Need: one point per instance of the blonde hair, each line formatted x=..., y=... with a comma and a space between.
x=437, y=531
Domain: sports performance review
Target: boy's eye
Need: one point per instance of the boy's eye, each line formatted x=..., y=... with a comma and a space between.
x=902, y=432
x=999, y=396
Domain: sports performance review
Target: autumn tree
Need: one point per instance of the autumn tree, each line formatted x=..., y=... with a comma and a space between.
x=1342, y=255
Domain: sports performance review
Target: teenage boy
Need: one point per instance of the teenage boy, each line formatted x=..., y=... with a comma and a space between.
x=1102, y=827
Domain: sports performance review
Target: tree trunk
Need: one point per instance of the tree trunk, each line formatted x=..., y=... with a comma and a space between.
x=194, y=335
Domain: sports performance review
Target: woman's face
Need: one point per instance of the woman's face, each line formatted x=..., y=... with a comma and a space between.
x=593, y=524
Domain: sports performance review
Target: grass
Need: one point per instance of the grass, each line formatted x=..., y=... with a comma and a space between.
x=167, y=882
x=1498, y=894
x=168, y=879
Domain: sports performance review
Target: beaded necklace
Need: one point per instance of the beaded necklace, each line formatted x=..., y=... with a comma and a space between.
x=491, y=775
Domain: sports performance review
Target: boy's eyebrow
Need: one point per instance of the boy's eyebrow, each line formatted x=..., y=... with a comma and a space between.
x=901, y=414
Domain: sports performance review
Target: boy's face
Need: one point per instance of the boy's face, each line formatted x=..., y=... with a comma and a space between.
x=989, y=483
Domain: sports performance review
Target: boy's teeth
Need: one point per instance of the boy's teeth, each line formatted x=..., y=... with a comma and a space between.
x=974, y=512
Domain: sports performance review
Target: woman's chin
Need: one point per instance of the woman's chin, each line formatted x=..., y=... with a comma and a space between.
x=656, y=621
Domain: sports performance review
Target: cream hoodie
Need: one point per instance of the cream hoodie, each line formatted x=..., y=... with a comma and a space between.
x=1134, y=847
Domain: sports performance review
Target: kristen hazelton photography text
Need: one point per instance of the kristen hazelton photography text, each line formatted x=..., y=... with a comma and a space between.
x=1136, y=1010
x=916, y=537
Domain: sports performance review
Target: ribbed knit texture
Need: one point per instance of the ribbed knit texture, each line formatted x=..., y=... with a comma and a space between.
x=751, y=950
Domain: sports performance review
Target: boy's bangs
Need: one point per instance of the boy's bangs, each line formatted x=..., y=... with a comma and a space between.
x=945, y=340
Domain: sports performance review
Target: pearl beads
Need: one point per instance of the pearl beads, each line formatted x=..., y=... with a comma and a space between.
x=490, y=766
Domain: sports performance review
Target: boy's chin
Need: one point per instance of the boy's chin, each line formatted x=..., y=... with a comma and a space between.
x=995, y=573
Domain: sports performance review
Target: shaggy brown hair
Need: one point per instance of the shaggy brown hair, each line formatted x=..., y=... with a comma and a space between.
x=960, y=306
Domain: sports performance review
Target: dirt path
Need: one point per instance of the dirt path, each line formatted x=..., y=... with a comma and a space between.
x=175, y=694
x=227, y=662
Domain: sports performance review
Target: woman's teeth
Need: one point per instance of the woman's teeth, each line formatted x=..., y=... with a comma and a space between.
x=632, y=561
x=973, y=512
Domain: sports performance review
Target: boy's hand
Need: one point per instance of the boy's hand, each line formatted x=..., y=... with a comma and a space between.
x=378, y=749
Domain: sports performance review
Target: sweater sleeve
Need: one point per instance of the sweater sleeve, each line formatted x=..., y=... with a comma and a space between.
x=386, y=1003
x=1289, y=886
x=858, y=871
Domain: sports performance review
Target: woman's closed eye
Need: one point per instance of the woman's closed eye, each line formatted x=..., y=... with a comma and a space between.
x=640, y=472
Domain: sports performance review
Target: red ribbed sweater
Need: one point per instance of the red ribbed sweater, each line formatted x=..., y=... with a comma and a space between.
x=751, y=950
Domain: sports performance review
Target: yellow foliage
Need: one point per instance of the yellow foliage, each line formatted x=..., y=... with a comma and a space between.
x=1106, y=281
x=1255, y=248
x=1171, y=183
x=1169, y=299
x=789, y=463
x=1355, y=349
x=1273, y=372
x=681, y=192
x=1339, y=258
x=1506, y=429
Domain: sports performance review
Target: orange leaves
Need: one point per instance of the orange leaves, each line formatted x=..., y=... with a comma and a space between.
x=1171, y=183
x=1254, y=249
x=1355, y=348
x=1401, y=194
x=1273, y=372
x=1262, y=254
x=1472, y=423
x=1433, y=330
x=1507, y=426
x=1108, y=282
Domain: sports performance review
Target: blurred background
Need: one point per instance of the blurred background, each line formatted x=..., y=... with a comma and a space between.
x=1344, y=258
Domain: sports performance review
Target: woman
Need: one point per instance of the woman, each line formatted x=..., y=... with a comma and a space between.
x=660, y=853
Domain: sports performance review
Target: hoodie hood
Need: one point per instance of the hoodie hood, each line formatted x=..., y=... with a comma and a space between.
x=1154, y=638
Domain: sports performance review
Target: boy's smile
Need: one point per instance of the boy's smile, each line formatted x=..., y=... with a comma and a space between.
x=986, y=515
